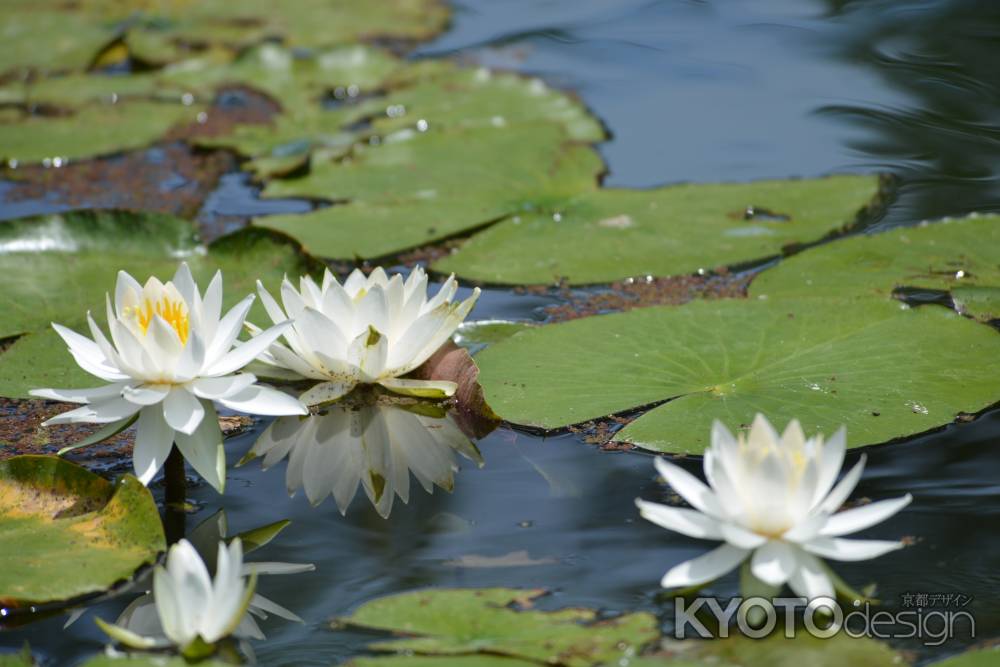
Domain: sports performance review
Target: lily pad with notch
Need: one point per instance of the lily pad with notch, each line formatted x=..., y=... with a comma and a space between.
x=77, y=533
x=822, y=361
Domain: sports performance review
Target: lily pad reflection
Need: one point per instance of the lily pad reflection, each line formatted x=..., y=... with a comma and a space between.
x=375, y=445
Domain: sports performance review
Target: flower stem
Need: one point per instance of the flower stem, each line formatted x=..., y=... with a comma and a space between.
x=174, y=478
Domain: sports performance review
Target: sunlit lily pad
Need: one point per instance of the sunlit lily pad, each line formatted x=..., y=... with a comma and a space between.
x=60, y=266
x=443, y=622
x=76, y=533
x=983, y=303
x=422, y=187
x=91, y=131
x=941, y=255
x=821, y=361
x=610, y=234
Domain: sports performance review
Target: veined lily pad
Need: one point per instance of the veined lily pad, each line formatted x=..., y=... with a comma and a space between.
x=941, y=255
x=605, y=235
x=420, y=187
x=821, y=361
x=444, y=622
x=91, y=131
x=60, y=266
x=76, y=533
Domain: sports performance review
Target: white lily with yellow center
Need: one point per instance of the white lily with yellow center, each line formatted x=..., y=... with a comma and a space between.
x=193, y=611
x=370, y=330
x=170, y=355
x=771, y=498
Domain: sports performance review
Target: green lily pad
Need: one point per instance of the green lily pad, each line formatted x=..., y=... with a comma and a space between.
x=477, y=336
x=60, y=266
x=294, y=82
x=825, y=362
x=941, y=255
x=442, y=622
x=445, y=95
x=91, y=131
x=445, y=661
x=982, y=303
x=777, y=651
x=606, y=235
x=69, y=43
x=76, y=533
x=422, y=187
x=159, y=35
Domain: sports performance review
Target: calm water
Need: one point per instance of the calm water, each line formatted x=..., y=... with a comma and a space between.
x=692, y=91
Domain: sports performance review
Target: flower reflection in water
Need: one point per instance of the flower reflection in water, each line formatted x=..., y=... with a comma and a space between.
x=374, y=443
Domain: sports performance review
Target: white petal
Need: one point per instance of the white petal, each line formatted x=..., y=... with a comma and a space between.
x=325, y=392
x=191, y=359
x=830, y=460
x=258, y=400
x=850, y=550
x=211, y=307
x=109, y=410
x=222, y=387
x=739, y=536
x=684, y=521
x=809, y=579
x=146, y=394
x=184, y=282
x=153, y=440
x=169, y=610
x=182, y=410
x=704, y=568
x=81, y=346
x=227, y=331
x=127, y=291
x=844, y=488
x=81, y=395
x=370, y=350
x=774, y=562
x=859, y=518
x=203, y=449
x=689, y=487
x=244, y=353
x=274, y=311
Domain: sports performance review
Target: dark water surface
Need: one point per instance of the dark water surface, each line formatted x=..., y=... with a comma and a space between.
x=692, y=91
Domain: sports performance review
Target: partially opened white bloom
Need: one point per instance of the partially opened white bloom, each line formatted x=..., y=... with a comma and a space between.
x=773, y=499
x=367, y=331
x=193, y=611
x=376, y=446
x=170, y=355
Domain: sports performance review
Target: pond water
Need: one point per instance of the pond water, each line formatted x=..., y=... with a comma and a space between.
x=692, y=90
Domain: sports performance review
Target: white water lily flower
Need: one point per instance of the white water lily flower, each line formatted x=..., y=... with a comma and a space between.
x=771, y=498
x=376, y=446
x=367, y=331
x=170, y=355
x=193, y=611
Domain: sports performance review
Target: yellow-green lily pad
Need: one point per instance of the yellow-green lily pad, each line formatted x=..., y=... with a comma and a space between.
x=76, y=533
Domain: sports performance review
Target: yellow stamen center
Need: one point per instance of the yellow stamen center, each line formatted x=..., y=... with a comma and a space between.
x=174, y=313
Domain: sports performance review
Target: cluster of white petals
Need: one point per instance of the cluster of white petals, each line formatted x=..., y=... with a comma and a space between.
x=771, y=498
x=375, y=446
x=171, y=353
x=192, y=609
x=370, y=330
